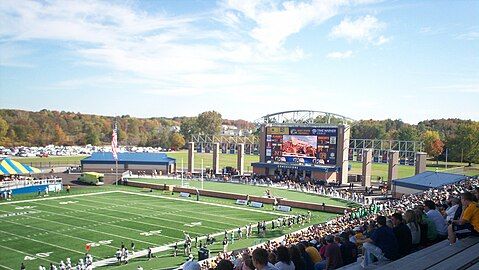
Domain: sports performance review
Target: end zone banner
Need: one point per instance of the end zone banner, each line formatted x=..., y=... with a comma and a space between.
x=256, y=204
x=283, y=208
x=241, y=202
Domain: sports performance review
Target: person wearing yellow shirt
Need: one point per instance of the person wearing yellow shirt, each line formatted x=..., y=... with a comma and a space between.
x=468, y=224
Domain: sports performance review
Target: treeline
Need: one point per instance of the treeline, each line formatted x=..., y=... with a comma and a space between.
x=25, y=128
x=459, y=137
x=17, y=127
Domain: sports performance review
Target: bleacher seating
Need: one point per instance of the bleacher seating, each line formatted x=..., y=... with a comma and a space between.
x=440, y=256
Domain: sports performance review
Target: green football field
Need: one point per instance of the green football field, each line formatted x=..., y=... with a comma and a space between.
x=40, y=231
x=249, y=190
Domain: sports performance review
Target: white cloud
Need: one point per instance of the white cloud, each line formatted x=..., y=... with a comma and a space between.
x=472, y=35
x=339, y=55
x=366, y=29
x=158, y=53
x=455, y=88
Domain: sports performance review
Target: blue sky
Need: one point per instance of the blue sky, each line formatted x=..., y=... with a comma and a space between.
x=409, y=60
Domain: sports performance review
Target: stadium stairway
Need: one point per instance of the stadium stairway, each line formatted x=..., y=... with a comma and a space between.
x=463, y=255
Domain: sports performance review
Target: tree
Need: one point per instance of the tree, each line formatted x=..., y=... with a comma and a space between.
x=3, y=127
x=177, y=140
x=209, y=123
x=189, y=127
x=60, y=137
x=407, y=133
x=92, y=136
x=465, y=145
x=432, y=143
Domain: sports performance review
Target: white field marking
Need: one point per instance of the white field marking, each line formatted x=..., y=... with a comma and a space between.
x=150, y=216
x=151, y=233
x=193, y=224
x=54, y=232
x=59, y=197
x=109, y=224
x=25, y=207
x=68, y=202
x=207, y=203
x=143, y=253
x=24, y=253
x=6, y=267
x=45, y=243
x=183, y=210
x=86, y=228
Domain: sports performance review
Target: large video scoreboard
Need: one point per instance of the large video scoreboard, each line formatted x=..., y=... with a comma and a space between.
x=309, y=145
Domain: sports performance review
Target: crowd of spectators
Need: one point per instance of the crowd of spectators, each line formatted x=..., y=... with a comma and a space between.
x=381, y=231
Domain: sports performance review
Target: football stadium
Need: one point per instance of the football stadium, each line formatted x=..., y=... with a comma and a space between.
x=239, y=135
x=144, y=210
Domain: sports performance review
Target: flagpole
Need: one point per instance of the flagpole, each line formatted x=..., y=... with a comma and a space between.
x=202, y=174
x=116, y=171
x=181, y=172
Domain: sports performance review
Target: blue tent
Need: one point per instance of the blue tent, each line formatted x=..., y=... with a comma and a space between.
x=427, y=180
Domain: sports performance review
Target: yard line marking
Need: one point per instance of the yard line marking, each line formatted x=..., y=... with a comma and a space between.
x=53, y=245
x=28, y=254
x=54, y=232
x=208, y=214
x=6, y=267
x=154, y=217
x=207, y=203
x=107, y=223
x=59, y=197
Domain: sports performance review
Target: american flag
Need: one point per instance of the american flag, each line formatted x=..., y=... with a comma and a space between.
x=114, y=144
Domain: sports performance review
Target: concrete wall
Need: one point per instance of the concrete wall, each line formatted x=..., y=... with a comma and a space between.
x=393, y=165
x=233, y=196
x=367, y=165
x=240, y=158
x=343, y=152
x=216, y=158
x=421, y=158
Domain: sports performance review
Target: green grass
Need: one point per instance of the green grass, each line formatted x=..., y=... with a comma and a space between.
x=65, y=224
x=251, y=190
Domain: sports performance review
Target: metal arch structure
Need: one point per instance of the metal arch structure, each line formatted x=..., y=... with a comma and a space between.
x=227, y=143
x=304, y=117
x=407, y=150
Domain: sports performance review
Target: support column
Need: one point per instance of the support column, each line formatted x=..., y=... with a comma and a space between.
x=216, y=158
x=240, y=158
x=367, y=164
x=191, y=157
x=343, y=152
x=393, y=167
x=420, y=162
x=262, y=144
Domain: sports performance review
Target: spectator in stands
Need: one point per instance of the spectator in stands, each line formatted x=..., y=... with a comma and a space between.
x=284, y=259
x=333, y=258
x=382, y=244
x=224, y=265
x=349, y=251
x=308, y=262
x=428, y=229
x=411, y=223
x=403, y=235
x=296, y=258
x=313, y=253
x=260, y=260
x=191, y=265
x=454, y=211
x=437, y=218
x=468, y=224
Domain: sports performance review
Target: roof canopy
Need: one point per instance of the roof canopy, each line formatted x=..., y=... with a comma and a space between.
x=128, y=157
x=427, y=180
x=11, y=167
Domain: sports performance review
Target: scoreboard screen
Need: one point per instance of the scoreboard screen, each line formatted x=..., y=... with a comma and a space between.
x=311, y=145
